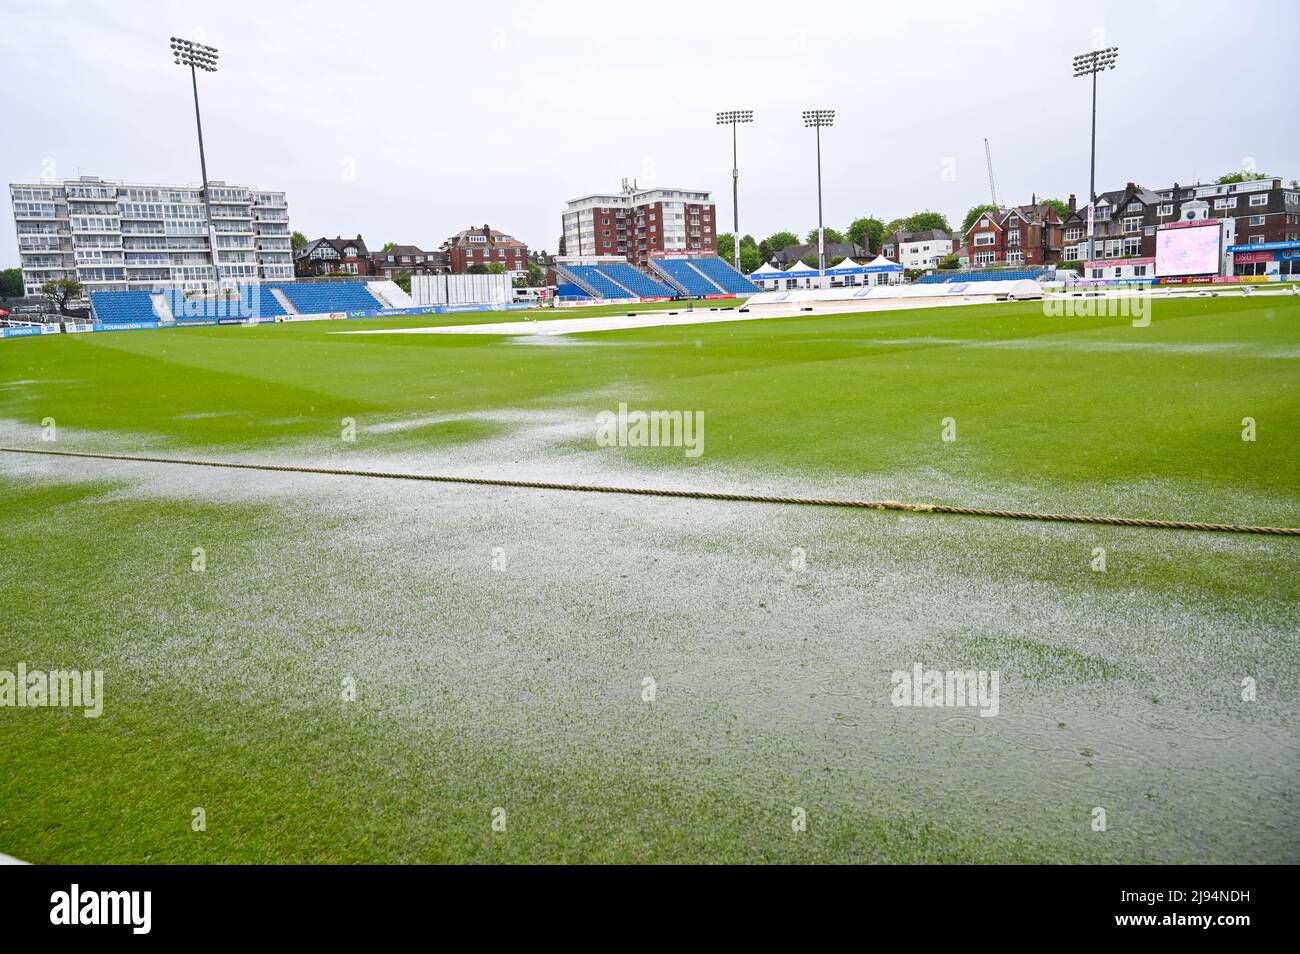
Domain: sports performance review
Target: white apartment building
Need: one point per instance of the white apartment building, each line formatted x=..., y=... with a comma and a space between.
x=641, y=223
x=117, y=236
x=918, y=250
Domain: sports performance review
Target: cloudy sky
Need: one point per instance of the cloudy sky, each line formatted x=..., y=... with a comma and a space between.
x=417, y=120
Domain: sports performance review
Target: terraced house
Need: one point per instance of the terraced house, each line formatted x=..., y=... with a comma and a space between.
x=1124, y=225
x=1266, y=213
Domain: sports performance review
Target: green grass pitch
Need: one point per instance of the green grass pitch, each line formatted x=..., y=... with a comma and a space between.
x=500, y=643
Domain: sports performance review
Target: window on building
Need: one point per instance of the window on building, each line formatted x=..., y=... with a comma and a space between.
x=1260, y=198
x=1255, y=240
x=1257, y=220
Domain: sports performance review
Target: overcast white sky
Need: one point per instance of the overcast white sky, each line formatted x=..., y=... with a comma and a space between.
x=410, y=121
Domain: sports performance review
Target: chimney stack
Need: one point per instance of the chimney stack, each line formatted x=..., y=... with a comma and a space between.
x=1073, y=203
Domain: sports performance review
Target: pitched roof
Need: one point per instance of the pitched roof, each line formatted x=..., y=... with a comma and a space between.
x=1036, y=213
x=492, y=236
x=926, y=235
x=792, y=253
x=1115, y=200
x=338, y=244
x=402, y=250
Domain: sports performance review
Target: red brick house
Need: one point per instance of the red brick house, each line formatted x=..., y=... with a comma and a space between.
x=1023, y=235
x=485, y=246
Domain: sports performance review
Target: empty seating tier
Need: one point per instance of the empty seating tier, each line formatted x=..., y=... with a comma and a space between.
x=991, y=275
x=680, y=273
x=123, y=306
x=724, y=276
x=568, y=290
x=323, y=298
x=636, y=282
x=268, y=305
x=600, y=284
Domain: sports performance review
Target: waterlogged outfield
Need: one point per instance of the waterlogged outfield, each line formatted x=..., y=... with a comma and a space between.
x=521, y=688
x=1050, y=413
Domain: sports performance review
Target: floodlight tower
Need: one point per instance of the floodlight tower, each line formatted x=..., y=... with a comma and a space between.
x=817, y=118
x=733, y=118
x=1090, y=64
x=199, y=57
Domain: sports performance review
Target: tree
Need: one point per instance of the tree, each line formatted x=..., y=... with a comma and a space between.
x=486, y=268
x=403, y=281
x=867, y=232
x=11, y=283
x=974, y=213
x=921, y=221
x=298, y=240
x=751, y=260
x=534, y=279
x=949, y=262
x=60, y=291
x=1062, y=210
x=726, y=246
x=831, y=236
x=388, y=245
x=779, y=240
x=1241, y=176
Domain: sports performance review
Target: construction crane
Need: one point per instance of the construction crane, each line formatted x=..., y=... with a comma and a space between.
x=988, y=158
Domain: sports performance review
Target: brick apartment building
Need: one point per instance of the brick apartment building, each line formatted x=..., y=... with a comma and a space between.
x=409, y=260
x=1024, y=235
x=639, y=224
x=326, y=256
x=485, y=246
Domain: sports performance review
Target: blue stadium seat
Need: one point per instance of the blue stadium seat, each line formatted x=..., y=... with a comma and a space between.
x=598, y=282
x=636, y=282
x=568, y=291
x=691, y=282
x=983, y=275
x=724, y=276
x=268, y=305
x=123, y=306
x=319, y=298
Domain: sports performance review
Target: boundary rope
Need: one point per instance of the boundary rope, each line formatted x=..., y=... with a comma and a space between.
x=892, y=505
